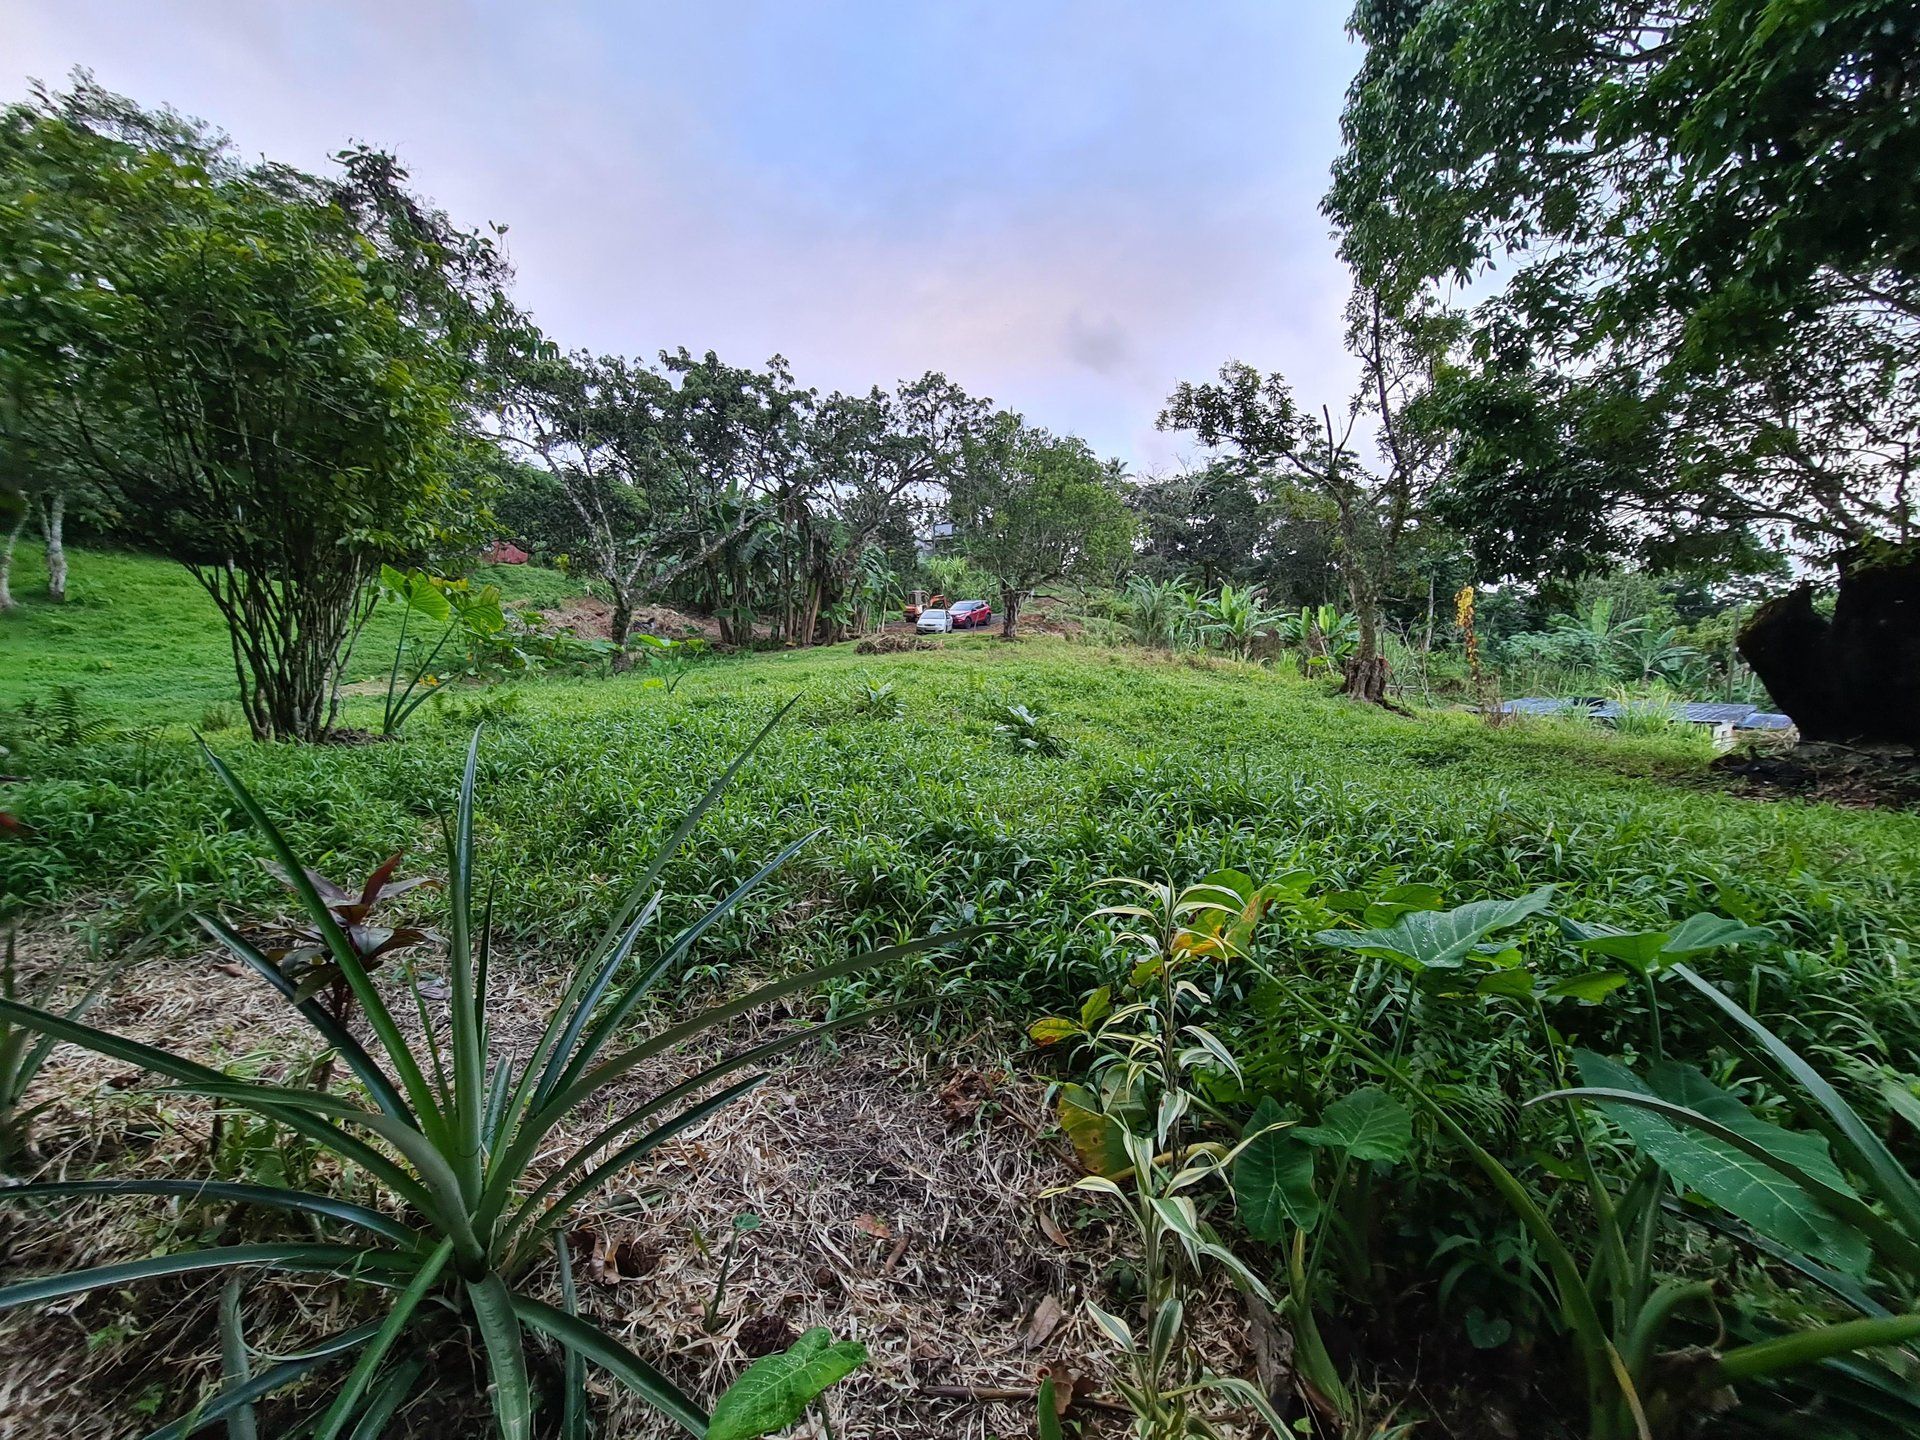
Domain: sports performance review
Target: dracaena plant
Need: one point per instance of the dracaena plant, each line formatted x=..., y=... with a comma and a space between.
x=479, y=1159
x=309, y=961
x=1137, y=1130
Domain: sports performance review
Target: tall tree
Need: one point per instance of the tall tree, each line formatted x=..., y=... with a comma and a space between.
x=880, y=463
x=1030, y=508
x=665, y=467
x=1708, y=336
x=273, y=377
x=1376, y=508
x=1209, y=524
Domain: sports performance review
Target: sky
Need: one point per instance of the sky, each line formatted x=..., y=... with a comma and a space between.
x=1065, y=206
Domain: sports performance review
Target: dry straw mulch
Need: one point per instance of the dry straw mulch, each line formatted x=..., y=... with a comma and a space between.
x=901, y=1194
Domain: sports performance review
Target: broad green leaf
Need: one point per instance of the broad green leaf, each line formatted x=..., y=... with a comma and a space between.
x=1589, y=989
x=1514, y=984
x=1646, y=951
x=1438, y=940
x=1739, y=1183
x=773, y=1393
x=1390, y=904
x=1096, y=1007
x=1098, y=1140
x=1699, y=933
x=1273, y=1179
x=1369, y=1124
x=1053, y=1029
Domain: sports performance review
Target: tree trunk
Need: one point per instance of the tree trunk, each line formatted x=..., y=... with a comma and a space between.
x=6, y=560
x=53, y=526
x=1367, y=670
x=288, y=635
x=1009, y=612
x=1854, y=678
x=621, y=620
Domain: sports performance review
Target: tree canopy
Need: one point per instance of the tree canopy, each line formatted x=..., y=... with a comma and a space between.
x=1704, y=333
x=1030, y=508
x=273, y=376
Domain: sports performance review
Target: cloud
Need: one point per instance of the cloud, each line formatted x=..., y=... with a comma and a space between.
x=1066, y=206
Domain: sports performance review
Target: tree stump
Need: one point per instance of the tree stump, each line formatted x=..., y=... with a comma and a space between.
x=1854, y=679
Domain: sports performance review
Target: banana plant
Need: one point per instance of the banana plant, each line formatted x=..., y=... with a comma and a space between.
x=474, y=1154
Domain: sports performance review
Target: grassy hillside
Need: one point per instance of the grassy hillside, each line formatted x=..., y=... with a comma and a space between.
x=1166, y=767
x=916, y=820
x=144, y=643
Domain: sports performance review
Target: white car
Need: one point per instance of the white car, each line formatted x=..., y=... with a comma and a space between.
x=934, y=622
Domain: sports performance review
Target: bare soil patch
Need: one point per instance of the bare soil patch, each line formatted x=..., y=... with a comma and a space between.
x=1878, y=778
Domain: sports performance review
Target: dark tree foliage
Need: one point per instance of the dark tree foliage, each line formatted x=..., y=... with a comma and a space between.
x=1377, y=510
x=1706, y=222
x=274, y=377
x=1209, y=524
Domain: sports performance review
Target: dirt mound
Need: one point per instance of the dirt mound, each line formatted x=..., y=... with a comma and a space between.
x=587, y=617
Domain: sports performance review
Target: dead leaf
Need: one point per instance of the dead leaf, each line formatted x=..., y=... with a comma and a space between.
x=872, y=1225
x=1050, y=1228
x=1067, y=1386
x=1045, y=1319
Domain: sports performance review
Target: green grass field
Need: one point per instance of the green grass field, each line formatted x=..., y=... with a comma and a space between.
x=144, y=643
x=1169, y=767
x=934, y=818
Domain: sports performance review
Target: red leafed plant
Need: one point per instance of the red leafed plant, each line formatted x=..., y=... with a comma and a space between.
x=309, y=966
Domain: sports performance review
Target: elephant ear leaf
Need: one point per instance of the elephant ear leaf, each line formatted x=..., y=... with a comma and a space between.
x=1369, y=1124
x=1273, y=1178
x=1438, y=939
x=772, y=1394
x=1738, y=1182
x=1646, y=951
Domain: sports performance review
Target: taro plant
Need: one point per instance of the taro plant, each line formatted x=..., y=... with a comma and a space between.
x=1137, y=1128
x=667, y=661
x=476, y=1155
x=773, y=1393
x=1833, y=1204
x=1618, y=1308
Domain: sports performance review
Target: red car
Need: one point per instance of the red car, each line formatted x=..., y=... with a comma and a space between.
x=970, y=614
